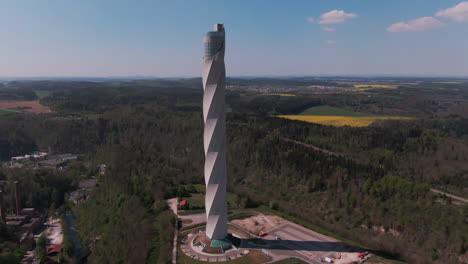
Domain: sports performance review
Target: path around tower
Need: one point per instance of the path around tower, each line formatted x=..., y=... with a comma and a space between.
x=285, y=239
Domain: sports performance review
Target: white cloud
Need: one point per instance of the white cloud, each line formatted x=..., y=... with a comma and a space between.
x=420, y=24
x=330, y=29
x=335, y=17
x=330, y=42
x=310, y=19
x=457, y=13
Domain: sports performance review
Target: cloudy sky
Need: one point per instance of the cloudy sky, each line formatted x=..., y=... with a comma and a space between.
x=264, y=37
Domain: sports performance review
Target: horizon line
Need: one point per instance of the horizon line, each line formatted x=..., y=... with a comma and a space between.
x=145, y=77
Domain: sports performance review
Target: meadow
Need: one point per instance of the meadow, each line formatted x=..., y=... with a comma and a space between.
x=42, y=94
x=325, y=110
x=5, y=111
x=333, y=116
x=280, y=94
x=376, y=86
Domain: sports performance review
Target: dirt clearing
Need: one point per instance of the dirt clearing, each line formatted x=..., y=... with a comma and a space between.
x=258, y=223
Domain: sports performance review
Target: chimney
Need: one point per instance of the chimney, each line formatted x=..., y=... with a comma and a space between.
x=2, y=207
x=18, y=208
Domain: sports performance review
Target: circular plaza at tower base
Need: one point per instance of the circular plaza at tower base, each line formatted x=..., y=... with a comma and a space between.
x=197, y=246
x=215, y=246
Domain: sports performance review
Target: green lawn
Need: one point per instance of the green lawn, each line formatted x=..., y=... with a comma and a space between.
x=326, y=110
x=197, y=198
x=42, y=94
x=6, y=111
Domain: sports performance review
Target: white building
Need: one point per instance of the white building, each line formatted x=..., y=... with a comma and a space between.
x=214, y=83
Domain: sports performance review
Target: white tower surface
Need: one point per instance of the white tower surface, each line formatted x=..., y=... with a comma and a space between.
x=214, y=83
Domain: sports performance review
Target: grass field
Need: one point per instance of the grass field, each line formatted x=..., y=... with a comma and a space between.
x=6, y=111
x=376, y=86
x=325, y=110
x=280, y=94
x=198, y=199
x=42, y=94
x=333, y=116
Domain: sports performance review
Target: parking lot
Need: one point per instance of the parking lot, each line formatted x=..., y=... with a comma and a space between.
x=291, y=240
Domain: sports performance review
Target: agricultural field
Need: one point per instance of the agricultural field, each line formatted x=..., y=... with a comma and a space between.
x=376, y=86
x=340, y=120
x=326, y=110
x=280, y=94
x=333, y=116
x=25, y=106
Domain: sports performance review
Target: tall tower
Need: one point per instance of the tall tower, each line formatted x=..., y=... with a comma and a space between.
x=214, y=83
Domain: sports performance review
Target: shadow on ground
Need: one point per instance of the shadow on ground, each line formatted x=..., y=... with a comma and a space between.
x=258, y=243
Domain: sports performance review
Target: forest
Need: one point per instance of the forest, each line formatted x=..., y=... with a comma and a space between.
x=374, y=189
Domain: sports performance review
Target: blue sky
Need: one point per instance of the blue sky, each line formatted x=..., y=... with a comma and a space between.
x=264, y=37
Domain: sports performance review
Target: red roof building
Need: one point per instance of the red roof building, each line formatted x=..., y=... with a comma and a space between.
x=54, y=249
x=362, y=254
x=183, y=203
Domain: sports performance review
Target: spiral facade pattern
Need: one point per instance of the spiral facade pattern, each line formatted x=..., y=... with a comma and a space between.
x=214, y=83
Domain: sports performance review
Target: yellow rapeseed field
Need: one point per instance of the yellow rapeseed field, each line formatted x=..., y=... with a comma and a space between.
x=340, y=120
x=280, y=94
x=376, y=86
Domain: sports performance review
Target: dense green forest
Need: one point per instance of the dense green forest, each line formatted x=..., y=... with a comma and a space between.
x=374, y=188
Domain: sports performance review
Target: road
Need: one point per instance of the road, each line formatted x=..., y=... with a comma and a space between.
x=173, y=203
x=458, y=198
x=302, y=243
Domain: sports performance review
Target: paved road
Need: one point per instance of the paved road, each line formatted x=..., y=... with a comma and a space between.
x=299, y=242
x=173, y=205
x=450, y=195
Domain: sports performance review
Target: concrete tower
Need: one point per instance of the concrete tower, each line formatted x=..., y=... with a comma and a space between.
x=214, y=83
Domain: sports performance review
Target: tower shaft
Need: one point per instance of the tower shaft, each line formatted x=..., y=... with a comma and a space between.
x=214, y=137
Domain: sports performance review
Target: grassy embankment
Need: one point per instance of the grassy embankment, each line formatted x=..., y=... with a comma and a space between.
x=333, y=116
